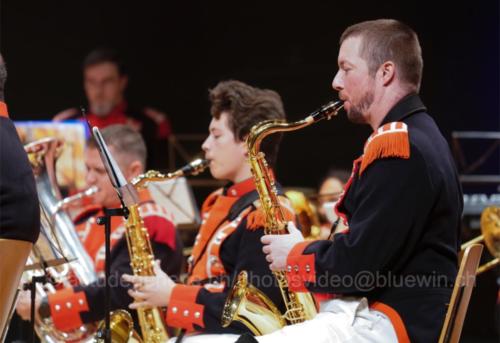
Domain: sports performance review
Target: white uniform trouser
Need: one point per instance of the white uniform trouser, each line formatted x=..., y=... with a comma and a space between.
x=340, y=320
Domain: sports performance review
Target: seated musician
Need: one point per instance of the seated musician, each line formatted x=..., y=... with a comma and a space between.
x=87, y=301
x=232, y=220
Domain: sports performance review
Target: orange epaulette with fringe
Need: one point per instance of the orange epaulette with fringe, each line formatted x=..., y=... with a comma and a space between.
x=257, y=218
x=390, y=140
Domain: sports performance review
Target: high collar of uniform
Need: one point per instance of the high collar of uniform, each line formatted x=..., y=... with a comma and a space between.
x=407, y=106
x=116, y=116
x=240, y=188
x=3, y=110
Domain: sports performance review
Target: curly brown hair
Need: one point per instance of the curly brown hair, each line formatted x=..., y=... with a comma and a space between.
x=246, y=106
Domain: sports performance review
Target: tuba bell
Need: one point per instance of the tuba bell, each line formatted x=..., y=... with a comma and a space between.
x=57, y=241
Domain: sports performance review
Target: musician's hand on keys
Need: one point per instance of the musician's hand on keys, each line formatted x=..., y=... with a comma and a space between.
x=277, y=247
x=150, y=291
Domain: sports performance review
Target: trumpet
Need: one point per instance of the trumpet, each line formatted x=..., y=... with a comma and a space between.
x=490, y=235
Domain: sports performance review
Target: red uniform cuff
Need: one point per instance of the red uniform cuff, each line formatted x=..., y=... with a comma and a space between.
x=65, y=308
x=183, y=311
x=300, y=268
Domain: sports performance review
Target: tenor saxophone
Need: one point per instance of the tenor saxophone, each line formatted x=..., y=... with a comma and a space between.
x=246, y=303
x=141, y=261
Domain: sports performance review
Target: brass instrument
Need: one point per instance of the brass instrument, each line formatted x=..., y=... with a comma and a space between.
x=78, y=196
x=249, y=305
x=142, y=260
x=307, y=214
x=490, y=234
x=122, y=328
x=58, y=241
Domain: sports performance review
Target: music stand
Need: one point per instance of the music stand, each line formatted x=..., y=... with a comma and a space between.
x=177, y=197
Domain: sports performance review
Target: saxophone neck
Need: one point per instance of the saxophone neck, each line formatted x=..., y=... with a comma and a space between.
x=265, y=128
x=193, y=168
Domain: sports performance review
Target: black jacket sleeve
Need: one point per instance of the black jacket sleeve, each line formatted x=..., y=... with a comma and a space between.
x=390, y=211
x=19, y=207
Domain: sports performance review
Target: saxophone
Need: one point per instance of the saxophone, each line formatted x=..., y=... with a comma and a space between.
x=142, y=260
x=246, y=303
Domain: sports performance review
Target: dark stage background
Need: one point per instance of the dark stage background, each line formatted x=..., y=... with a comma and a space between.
x=176, y=50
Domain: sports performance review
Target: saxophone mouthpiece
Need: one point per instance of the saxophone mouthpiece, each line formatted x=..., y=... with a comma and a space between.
x=327, y=111
x=195, y=167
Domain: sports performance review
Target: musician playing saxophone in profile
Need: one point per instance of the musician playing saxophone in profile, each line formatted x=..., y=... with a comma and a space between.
x=232, y=220
x=86, y=303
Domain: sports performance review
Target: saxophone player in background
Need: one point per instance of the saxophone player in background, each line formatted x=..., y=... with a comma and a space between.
x=392, y=271
x=232, y=223
x=86, y=303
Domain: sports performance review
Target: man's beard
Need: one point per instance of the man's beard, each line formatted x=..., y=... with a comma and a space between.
x=357, y=112
x=101, y=109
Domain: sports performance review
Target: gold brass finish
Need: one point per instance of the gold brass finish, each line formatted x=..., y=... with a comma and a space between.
x=490, y=234
x=193, y=168
x=142, y=261
x=242, y=301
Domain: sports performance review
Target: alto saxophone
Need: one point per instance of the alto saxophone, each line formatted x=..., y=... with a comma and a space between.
x=246, y=303
x=142, y=260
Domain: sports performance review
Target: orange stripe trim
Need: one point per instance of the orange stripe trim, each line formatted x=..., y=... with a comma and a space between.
x=3, y=110
x=395, y=319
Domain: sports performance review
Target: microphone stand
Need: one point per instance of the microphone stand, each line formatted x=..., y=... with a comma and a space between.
x=106, y=221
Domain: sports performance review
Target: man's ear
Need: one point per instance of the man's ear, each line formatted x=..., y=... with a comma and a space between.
x=387, y=72
x=243, y=146
x=133, y=169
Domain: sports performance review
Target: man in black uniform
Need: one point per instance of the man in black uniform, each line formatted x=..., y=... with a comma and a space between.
x=391, y=271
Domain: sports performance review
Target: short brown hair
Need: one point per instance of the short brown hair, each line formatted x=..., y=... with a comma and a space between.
x=390, y=40
x=247, y=106
x=105, y=55
x=126, y=142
